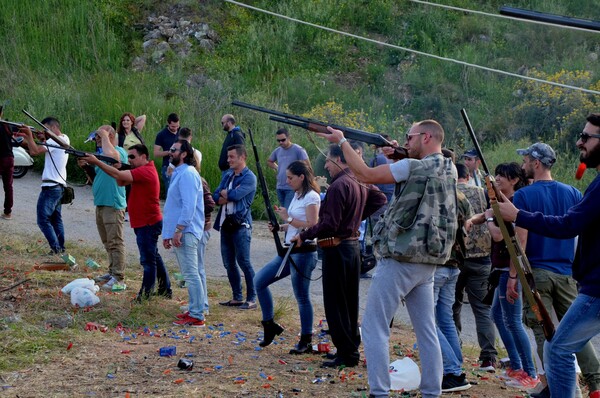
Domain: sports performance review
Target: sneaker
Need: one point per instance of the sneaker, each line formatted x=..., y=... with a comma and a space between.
x=191, y=322
x=103, y=278
x=545, y=393
x=525, y=382
x=183, y=316
x=114, y=285
x=510, y=374
x=6, y=216
x=488, y=365
x=451, y=383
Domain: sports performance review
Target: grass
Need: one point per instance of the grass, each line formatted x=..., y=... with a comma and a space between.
x=46, y=347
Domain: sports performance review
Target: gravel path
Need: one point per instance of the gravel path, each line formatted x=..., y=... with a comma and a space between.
x=80, y=225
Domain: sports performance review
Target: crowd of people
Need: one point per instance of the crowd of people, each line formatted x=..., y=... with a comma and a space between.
x=435, y=233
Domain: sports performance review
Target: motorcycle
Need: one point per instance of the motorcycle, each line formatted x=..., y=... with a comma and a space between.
x=23, y=161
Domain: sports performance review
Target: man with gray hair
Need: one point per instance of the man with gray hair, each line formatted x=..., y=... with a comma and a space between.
x=235, y=136
x=551, y=259
x=109, y=199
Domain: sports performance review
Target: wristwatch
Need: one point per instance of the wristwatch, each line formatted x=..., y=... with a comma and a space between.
x=490, y=219
x=342, y=141
x=289, y=219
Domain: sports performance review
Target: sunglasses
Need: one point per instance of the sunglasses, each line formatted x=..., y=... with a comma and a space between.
x=410, y=136
x=281, y=140
x=585, y=136
x=173, y=150
x=131, y=157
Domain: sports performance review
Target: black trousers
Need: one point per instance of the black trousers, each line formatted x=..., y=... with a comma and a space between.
x=341, y=276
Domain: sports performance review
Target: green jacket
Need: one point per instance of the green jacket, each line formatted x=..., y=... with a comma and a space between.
x=420, y=224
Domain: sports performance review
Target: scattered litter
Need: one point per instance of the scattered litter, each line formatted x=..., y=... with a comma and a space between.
x=168, y=351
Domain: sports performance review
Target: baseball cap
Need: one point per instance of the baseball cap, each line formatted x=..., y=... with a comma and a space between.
x=471, y=153
x=540, y=151
x=91, y=137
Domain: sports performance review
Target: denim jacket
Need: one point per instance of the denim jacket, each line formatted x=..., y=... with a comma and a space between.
x=242, y=194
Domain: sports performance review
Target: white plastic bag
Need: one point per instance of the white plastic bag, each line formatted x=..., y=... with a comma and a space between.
x=82, y=297
x=81, y=282
x=405, y=374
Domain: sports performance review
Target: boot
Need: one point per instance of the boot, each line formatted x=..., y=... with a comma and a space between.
x=304, y=346
x=272, y=329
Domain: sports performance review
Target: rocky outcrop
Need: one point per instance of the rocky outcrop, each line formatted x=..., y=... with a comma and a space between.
x=165, y=36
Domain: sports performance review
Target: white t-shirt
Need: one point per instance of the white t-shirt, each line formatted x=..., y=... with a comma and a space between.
x=297, y=210
x=55, y=164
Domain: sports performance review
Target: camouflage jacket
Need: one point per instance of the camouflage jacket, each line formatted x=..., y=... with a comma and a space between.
x=459, y=249
x=478, y=242
x=420, y=224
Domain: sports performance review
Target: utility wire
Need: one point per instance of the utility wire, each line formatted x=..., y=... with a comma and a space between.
x=487, y=14
x=463, y=63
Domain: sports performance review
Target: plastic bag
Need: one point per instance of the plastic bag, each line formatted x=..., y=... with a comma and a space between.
x=405, y=374
x=82, y=297
x=81, y=282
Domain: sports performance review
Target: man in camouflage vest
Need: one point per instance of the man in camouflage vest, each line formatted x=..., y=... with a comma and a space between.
x=415, y=235
x=474, y=275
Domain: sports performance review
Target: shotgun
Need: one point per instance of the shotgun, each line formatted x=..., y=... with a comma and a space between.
x=517, y=254
x=321, y=127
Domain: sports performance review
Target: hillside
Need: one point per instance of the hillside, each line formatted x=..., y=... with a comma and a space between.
x=88, y=62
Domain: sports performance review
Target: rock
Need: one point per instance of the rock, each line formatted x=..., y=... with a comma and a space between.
x=59, y=321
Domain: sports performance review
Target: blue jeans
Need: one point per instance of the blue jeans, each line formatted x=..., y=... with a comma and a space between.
x=187, y=257
x=508, y=320
x=49, y=218
x=235, y=250
x=444, y=288
x=575, y=330
x=201, y=268
x=285, y=197
x=150, y=259
x=306, y=263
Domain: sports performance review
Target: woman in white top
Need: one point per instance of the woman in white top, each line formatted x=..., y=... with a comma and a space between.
x=302, y=213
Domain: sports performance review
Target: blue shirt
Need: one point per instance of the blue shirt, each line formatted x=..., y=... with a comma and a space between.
x=241, y=194
x=185, y=203
x=555, y=199
x=583, y=220
x=105, y=188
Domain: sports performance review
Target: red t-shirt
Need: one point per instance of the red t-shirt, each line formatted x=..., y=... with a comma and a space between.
x=143, y=205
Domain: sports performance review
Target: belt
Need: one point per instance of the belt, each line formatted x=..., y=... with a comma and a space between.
x=332, y=241
x=47, y=187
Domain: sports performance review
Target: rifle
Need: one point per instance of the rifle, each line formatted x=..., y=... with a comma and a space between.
x=321, y=127
x=281, y=251
x=80, y=154
x=516, y=252
x=48, y=132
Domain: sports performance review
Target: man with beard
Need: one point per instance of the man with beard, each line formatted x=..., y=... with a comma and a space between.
x=235, y=136
x=146, y=217
x=164, y=140
x=551, y=259
x=183, y=227
x=582, y=320
x=415, y=235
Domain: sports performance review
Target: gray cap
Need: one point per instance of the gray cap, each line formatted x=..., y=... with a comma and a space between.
x=540, y=151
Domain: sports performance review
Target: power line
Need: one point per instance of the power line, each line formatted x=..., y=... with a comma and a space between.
x=487, y=14
x=463, y=63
